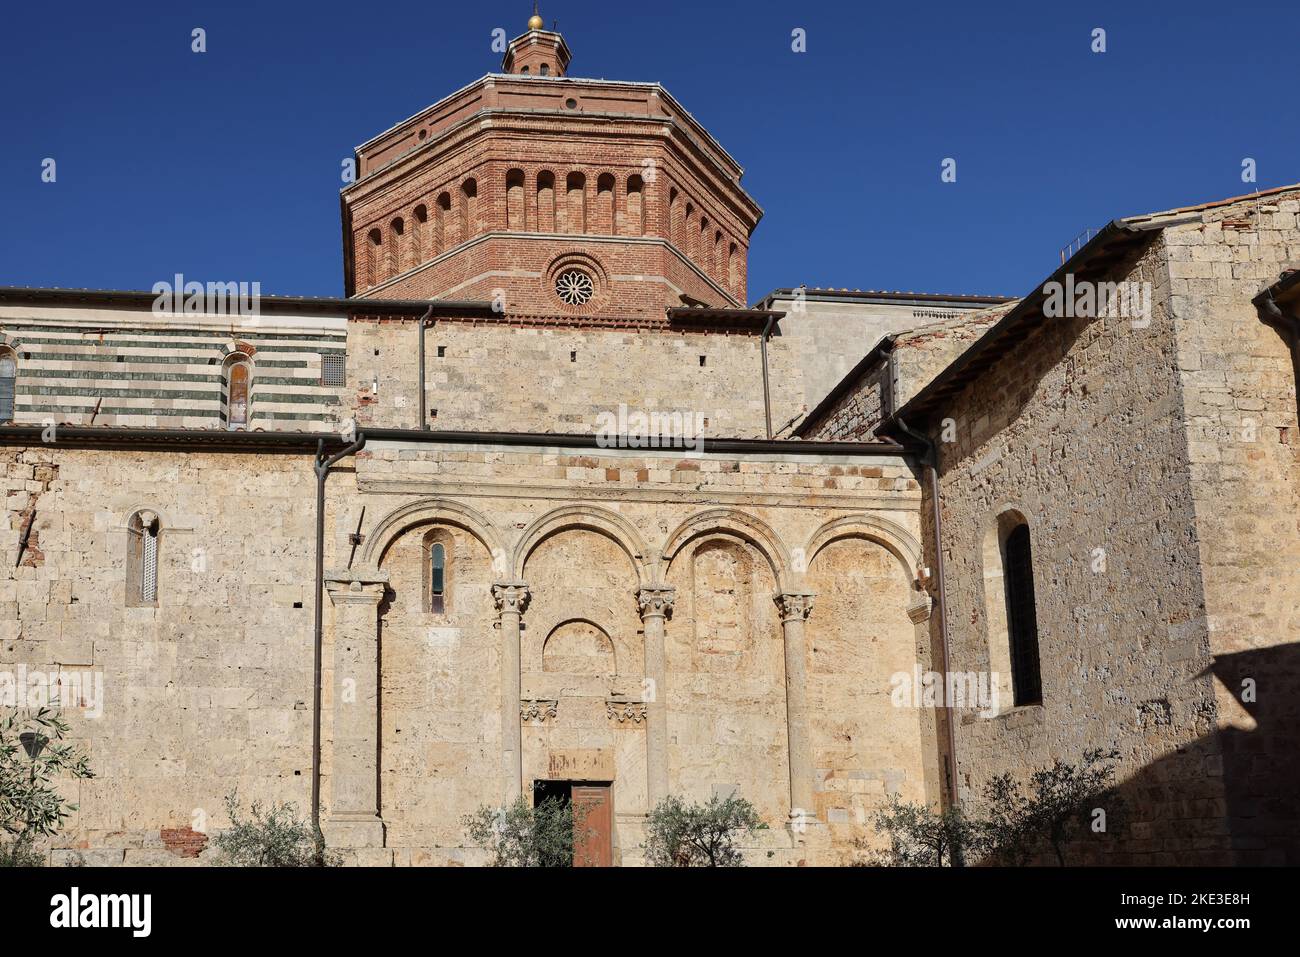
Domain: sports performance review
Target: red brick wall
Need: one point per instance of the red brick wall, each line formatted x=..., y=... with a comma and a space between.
x=507, y=136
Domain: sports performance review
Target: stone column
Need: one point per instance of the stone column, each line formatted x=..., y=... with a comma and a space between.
x=656, y=604
x=353, y=819
x=795, y=608
x=511, y=599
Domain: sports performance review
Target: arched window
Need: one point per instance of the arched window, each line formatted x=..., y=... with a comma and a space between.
x=437, y=578
x=733, y=271
x=634, y=224
x=1009, y=608
x=515, y=206
x=545, y=202
x=8, y=383
x=1022, y=617
x=545, y=69
x=143, y=534
x=235, y=391
x=704, y=257
x=439, y=546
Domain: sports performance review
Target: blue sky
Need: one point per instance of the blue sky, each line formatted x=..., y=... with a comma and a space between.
x=225, y=165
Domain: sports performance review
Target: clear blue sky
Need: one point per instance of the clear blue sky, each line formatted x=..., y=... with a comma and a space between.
x=225, y=165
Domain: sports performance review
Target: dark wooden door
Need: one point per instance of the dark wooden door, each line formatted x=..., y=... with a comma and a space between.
x=593, y=825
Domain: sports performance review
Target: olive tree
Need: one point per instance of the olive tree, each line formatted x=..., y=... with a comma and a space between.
x=34, y=753
x=699, y=835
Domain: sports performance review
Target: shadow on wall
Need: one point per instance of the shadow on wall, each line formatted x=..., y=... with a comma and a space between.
x=1228, y=798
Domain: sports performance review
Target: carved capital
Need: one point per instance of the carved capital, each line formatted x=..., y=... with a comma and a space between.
x=539, y=709
x=795, y=606
x=623, y=710
x=510, y=597
x=656, y=600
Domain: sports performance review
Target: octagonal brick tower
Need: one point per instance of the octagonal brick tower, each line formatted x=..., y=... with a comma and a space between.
x=551, y=195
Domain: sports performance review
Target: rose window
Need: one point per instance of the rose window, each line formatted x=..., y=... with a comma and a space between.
x=574, y=287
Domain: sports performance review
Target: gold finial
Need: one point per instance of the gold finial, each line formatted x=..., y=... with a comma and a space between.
x=535, y=22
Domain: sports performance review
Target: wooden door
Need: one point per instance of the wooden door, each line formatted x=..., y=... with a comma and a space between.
x=593, y=825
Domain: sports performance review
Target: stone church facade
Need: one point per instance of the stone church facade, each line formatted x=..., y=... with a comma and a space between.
x=590, y=525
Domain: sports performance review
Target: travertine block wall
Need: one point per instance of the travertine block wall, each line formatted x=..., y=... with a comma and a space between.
x=1080, y=429
x=210, y=691
x=519, y=379
x=1239, y=393
x=891, y=379
x=206, y=692
x=572, y=524
x=830, y=334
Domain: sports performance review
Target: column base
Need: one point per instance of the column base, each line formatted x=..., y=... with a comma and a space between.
x=353, y=830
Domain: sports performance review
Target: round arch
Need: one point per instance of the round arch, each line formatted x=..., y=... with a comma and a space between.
x=590, y=517
x=726, y=521
x=882, y=531
x=602, y=631
x=434, y=511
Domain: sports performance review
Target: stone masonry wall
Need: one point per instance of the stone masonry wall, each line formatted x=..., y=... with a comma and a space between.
x=209, y=691
x=205, y=691
x=859, y=411
x=486, y=377
x=1080, y=430
x=1239, y=386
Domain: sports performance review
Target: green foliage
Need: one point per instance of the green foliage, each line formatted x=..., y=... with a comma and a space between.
x=30, y=804
x=1053, y=811
x=20, y=852
x=699, y=835
x=522, y=835
x=1021, y=821
x=922, y=837
x=274, y=837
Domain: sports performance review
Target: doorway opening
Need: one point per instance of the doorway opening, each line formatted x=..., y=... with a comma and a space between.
x=593, y=806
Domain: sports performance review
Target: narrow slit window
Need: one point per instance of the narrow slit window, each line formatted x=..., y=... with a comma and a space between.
x=437, y=578
x=143, y=534
x=1022, y=619
x=8, y=384
x=149, y=565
